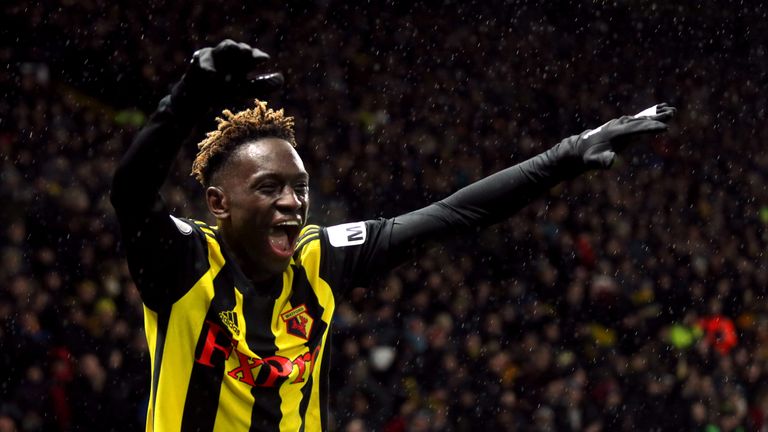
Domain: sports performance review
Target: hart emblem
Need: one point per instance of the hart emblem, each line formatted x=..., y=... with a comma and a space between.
x=298, y=322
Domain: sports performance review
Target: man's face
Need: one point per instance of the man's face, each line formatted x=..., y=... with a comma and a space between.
x=265, y=198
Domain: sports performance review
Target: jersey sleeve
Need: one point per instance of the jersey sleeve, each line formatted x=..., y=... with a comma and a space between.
x=166, y=255
x=161, y=250
x=356, y=252
x=352, y=254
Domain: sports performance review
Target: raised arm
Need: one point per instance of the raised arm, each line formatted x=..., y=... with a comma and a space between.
x=500, y=195
x=216, y=78
x=158, y=246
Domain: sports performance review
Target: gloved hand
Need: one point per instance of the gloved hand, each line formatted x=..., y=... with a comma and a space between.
x=597, y=148
x=220, y=77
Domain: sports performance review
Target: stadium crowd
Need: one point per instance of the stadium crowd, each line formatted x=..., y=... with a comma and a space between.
x=632, y=299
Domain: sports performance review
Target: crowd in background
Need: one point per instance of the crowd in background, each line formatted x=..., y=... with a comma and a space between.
x=632, y=299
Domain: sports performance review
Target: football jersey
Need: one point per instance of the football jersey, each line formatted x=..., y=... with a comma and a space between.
x=231, y=355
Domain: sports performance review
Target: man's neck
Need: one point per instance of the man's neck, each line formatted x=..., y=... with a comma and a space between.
x=249, y=266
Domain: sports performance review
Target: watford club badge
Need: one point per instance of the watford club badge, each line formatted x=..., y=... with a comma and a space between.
x=298, y=322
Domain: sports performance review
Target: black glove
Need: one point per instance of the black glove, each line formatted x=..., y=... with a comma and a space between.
x=597, y=148
x=220, y=77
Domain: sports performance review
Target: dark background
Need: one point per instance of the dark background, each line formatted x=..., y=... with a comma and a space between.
x=589, y=310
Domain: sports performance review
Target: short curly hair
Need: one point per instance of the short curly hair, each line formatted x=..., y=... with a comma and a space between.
x=236, y=129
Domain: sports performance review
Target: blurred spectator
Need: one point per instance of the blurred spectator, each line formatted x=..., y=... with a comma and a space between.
x=578, y=314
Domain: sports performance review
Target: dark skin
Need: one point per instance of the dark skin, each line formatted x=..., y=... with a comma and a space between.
x=260, y=197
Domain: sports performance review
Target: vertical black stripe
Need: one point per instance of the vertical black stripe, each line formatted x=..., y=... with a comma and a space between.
x=304, y=294
x=258, y=304
x=306, y=392
x=202, y=399
x=324, y=379
x=162, y=328
x=331, y=271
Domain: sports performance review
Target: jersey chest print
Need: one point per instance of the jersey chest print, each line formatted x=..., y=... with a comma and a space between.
x=220, y=345
x=253, y=370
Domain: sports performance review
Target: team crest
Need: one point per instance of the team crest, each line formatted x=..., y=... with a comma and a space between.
x=298, y=322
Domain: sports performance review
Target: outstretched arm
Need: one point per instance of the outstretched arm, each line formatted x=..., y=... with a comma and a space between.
x=500, y=195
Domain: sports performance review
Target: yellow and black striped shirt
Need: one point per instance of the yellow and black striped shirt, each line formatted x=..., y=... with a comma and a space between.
x=228, y=355
x=233, y=356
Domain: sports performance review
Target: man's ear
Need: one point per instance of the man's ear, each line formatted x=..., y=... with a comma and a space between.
x=218, y=204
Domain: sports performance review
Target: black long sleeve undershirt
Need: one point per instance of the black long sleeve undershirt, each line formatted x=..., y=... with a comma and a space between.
x=155, y=249
x=146, y=165
x=482, y=203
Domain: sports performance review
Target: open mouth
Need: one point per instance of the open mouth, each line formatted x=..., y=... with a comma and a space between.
x=282, y=237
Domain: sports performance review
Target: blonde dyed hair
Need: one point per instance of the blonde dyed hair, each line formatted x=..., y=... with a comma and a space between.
x=236, y=129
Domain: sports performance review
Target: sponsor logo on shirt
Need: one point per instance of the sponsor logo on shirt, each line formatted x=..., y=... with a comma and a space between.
x=269, y=371
x=229, y=318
